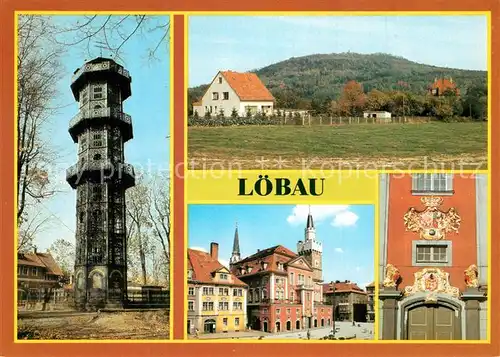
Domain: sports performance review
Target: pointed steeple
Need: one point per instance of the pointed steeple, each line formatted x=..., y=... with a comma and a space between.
x=310, y=222
x=236, y=256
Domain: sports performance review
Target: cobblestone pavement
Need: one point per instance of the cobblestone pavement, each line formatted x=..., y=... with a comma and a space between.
x=365, y=331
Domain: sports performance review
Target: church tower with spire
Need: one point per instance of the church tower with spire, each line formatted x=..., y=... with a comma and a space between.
x=311, y=249
x=235, y=256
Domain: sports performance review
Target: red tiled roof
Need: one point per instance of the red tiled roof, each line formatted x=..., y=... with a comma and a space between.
x=43, y=260
x=343, y=287
x=272, y=256
x=443, y=84
x=203, y=265
x=247, y=86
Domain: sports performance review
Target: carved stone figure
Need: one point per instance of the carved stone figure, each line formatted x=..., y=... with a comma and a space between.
x=391, y=276
x=471, y=276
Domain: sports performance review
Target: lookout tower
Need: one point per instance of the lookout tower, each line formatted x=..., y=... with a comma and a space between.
x=100, y=178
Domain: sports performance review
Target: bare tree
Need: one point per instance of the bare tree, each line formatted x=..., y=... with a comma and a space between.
x=159, y=215
x=137, y=211
x=38, y=71
x=111, y=33
x=63, y=252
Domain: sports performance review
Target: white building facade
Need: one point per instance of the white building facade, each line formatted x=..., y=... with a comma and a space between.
x=243, y=92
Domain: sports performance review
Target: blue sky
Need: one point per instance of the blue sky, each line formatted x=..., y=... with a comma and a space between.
x=347, y=233
x=251, y=42
x=149, y=107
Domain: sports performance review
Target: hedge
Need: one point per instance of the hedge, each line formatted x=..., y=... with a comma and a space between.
x=231, y=121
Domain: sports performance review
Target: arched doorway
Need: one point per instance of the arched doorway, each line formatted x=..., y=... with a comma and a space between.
x=264, y=328
x=288, y=325
x=297, y=325
x=322, y=322
x=433, y=322
x=209, y=326
x=315, y=323
x=278, y=326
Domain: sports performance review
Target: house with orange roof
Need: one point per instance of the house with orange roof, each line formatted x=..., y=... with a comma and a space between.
x=38, y=273
x=229, y=90
x=217, y=299
x=441, y=85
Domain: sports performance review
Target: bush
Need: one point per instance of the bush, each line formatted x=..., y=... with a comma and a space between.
x=233, y=121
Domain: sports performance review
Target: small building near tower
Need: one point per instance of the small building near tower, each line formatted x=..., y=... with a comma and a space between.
x=285, y=290
x=217, y=299
x=440, y=86
x=433, y=256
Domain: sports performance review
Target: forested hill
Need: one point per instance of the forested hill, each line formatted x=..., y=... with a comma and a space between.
x=321, y=77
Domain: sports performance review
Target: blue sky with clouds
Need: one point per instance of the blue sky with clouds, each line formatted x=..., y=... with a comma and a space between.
x=251, y=42
x=149, y=107
x=347, y=233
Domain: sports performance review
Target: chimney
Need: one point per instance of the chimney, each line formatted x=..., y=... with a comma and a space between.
x=258, y=250
x=214, y=251
x=34, y=249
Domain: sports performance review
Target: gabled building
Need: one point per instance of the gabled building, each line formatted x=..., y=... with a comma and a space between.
x=228, y=91
x=442, y=85
x=285, y=288
x=433, y=256
x=216, y=298
x=349, y=299
x=37, y=273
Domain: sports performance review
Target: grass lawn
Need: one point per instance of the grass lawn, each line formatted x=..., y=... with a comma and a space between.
x=391, y=146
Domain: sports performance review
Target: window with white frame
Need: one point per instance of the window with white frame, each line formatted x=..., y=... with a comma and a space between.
x=434, y=253
x=215, y=96
x=432, y=183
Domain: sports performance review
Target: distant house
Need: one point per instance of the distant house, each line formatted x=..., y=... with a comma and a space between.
x=230, y=90
x=381, y=115
x=441, y=85
x=351, y=302
x=38, y=273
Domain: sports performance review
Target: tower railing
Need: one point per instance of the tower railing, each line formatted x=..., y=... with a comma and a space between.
x=101, y=113
x=101, y=66
x=106, y=168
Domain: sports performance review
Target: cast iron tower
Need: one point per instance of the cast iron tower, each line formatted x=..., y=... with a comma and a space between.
x=100, y=178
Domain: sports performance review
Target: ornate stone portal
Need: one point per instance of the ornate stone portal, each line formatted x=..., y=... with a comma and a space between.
x=432, y=223
x=432, y=281
x=100, y=178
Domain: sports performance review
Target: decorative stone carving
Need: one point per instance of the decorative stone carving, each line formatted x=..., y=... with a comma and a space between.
x=391, y=276
x=471, y=275
x=432, y=223
x=433, y=281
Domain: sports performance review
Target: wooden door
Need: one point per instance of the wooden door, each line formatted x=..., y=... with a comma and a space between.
x=432, y=323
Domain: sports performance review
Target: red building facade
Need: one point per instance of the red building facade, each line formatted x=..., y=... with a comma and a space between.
x=285, y=288
x=433, y=256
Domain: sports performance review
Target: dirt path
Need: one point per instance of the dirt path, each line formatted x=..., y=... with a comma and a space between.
x=102, y=326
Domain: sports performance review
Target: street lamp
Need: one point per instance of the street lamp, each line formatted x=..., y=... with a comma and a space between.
x=332, y=284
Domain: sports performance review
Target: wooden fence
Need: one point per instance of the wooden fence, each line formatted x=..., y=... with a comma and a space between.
x=325, y=120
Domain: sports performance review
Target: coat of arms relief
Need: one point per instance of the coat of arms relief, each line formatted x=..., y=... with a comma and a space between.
x=432, y=281
x=432, y=223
